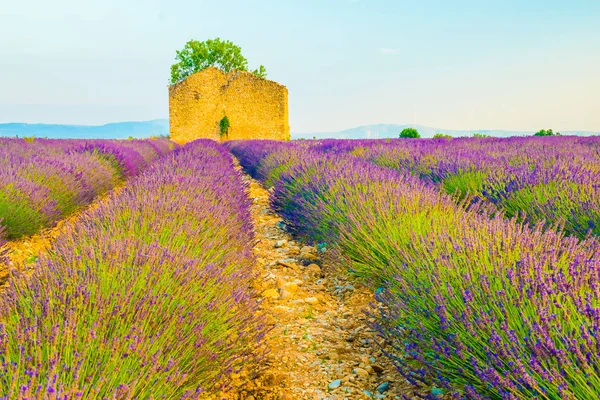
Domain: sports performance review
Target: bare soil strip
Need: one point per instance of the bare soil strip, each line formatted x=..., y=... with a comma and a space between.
x=320, y=344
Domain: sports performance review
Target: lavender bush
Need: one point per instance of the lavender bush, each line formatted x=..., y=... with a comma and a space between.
x=552, y=180
x=148, y=296
x=45, y=180
x=480, y=306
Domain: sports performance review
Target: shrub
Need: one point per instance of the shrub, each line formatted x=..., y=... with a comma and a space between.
x=224, y=126
x=409, y=133
x=544, y=132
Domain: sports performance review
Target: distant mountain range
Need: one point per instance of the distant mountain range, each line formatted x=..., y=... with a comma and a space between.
x=117, y=130
x=160, y=127
x=382, y=131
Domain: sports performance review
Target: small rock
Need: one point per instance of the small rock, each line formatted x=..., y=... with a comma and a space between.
x=368, y=394
x=377, y=368
x=383, y=387
x=291, y=287
x=308, y=256
x=311, y=300
x=288, y=264
x=280, y=243
x=361, y=372
x=307, y=249
x=270, y=294
x=335, y=384
x=313, y=269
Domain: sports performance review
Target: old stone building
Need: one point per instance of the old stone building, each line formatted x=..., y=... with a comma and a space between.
x=237, y=105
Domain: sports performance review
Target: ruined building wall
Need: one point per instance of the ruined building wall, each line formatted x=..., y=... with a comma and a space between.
x=256, y=108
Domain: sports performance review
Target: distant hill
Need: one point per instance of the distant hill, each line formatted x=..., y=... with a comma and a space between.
x=382, y=131
x=117, y=130
x=160, y=127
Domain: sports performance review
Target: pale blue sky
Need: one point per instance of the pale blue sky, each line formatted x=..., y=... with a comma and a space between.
x=517, y=65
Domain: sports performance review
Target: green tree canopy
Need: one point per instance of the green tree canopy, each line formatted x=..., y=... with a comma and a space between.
x=545, y=132
x=410, y=133
x=481, y=135
x=197, y=56
x=442, y=136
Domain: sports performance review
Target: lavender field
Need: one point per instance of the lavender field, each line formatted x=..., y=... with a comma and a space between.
x=483, y=250
x=147, y=296
x=482, y=255
x=42, y=181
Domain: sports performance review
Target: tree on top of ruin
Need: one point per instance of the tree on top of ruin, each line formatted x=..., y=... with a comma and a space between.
x=197, y=56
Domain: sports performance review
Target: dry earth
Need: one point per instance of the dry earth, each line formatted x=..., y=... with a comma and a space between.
x=320, y=345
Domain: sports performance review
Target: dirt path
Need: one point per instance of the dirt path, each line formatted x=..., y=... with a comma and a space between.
x=21, y=254
x=320, y=344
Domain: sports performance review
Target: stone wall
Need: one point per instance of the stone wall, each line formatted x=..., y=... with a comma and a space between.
x=256, y=108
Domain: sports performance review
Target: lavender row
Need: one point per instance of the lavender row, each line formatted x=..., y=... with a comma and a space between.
x=147, y=296
x=42, y=181
x=480, y=306
x=552, y=180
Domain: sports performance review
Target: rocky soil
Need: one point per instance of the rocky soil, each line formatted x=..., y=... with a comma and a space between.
x=320, y=345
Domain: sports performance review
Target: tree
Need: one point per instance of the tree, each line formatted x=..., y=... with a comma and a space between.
x=410, y=133
x=197, y=56
x=481, y=135
x=442, y=136
x=545, y=132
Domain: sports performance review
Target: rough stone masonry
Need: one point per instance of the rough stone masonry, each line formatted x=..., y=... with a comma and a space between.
x=255, y=108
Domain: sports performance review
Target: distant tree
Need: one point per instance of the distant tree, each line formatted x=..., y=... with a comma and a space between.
x=410, y=133
x=197, y=56
x=442, y=136
x=481, y=135
x=545, y=132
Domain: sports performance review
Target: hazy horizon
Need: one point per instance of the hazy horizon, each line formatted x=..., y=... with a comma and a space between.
x=503, y=65
x=160, y=127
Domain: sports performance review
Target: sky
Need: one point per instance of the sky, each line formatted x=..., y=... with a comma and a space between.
x=462, y=64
